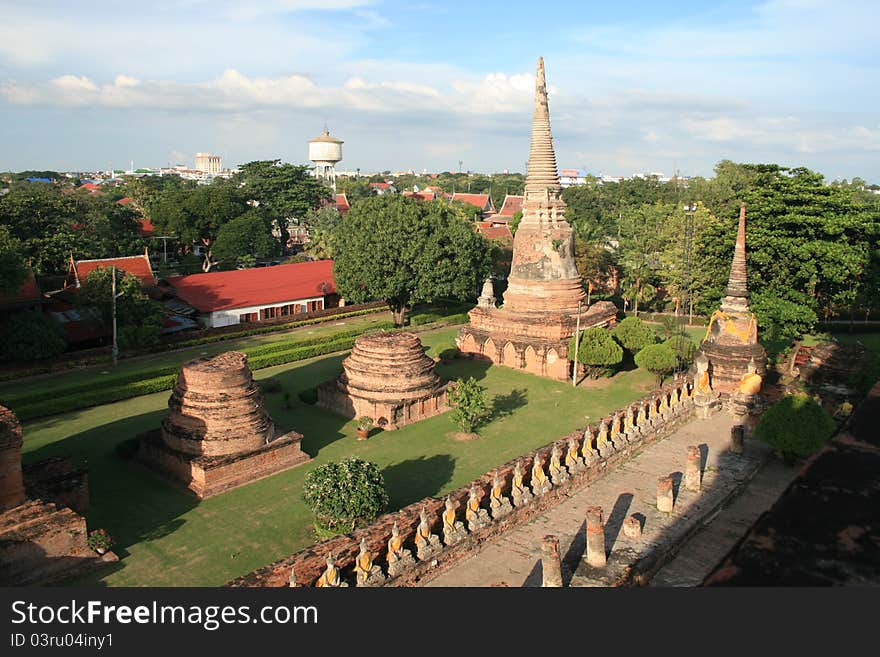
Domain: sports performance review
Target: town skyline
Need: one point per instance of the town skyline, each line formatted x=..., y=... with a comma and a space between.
x=634, y=89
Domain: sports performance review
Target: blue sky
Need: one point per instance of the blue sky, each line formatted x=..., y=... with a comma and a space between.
x=635, y=86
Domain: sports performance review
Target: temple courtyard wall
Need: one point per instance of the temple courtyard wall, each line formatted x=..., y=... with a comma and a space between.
x=606, y=445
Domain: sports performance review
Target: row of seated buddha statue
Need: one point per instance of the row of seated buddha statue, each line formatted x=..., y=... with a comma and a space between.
x=580, y=452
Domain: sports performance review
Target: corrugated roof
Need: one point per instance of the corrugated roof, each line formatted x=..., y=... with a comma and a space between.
x=260, y=286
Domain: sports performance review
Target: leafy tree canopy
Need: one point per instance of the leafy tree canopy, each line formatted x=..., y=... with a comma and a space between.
x=31, y=335
x=634, y=334
x=405, y=251
x=246, y=237
x=138, y=318
x=659, y=359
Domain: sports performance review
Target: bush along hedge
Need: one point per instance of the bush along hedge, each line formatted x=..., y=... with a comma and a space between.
x=144, y=382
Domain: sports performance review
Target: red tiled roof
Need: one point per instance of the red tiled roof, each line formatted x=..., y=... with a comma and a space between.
x=491, y=232
x=342, y=205
x=138, y=265
x=28, y=294
x=421, y=196
x=146, y=228
x=259, y=286
x=380, y=185
x=482, y=201
x=125, y=200
x=512, y=204
x=92, y=187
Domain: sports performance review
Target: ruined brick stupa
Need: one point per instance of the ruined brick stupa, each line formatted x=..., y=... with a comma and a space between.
x=217, y=434
x=388, y=377
x=531, y=331
x=731, y=341
x=42, y=540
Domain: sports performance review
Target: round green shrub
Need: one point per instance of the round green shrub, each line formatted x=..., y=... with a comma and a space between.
x=30, y=335
x=469, y=405
x=657, y=358
x=796, y=425
x=684, y=348
x=345, y=495
x=598, y=351
x=634, y=334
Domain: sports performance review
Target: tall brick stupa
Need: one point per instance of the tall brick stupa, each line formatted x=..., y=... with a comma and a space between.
x=532, y=329
x=731, y=341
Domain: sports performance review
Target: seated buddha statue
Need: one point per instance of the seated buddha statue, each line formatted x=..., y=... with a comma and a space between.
x=751, y=382
x=475, y=516
x=518, y=490
x=453, y=530
x=427, y=543
x=540, y=482
x=366, y=573
x=702, y=382
x=572, y=457
x=558, y=474
x=398, y=557
x=330, y=577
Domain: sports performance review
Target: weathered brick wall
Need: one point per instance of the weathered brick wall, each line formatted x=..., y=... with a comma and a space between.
x=59, y=479
x=308, y=564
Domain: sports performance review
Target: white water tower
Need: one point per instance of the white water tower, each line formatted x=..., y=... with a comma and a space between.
x=325, y=151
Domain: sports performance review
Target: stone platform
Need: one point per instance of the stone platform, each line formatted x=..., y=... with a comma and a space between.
x=388, y=377
x=42, y=542
x=206, y=476
x=217, y=434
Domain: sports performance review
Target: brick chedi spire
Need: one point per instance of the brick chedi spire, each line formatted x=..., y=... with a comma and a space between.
x=532, y=330
x=543, y=275
x=542, y=174
x=731, y=343
x=736, y=297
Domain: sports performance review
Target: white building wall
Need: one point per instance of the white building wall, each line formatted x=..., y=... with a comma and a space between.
x=230, y=316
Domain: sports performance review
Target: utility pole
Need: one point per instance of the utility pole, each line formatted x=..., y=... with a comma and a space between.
x=577, y=339
x=114, y=297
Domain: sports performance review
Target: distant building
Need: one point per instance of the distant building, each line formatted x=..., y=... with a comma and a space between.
x=342, y=205
x=243, y=296
x=482, y=201
x=208, y=163
x=138, y=266
x=569, y=177
x=382, y=188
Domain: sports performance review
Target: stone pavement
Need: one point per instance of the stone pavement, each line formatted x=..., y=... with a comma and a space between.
x=702, y=553
x=514, y=559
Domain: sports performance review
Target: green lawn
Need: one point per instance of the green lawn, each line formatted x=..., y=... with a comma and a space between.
x=166, y=538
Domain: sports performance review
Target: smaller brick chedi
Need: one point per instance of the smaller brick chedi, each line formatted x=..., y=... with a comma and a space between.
x=388, y=377
x=731, y=343
x=531, y=331
x=217, y=434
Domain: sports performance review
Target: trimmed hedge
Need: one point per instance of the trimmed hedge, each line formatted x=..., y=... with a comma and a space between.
x=144, y=382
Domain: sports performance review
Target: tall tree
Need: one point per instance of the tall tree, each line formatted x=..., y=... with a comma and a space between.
x=242, y=240
x=196, y=215
x=139, y=319
x=286, y=191
x=13, y=270
x=405, y=251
